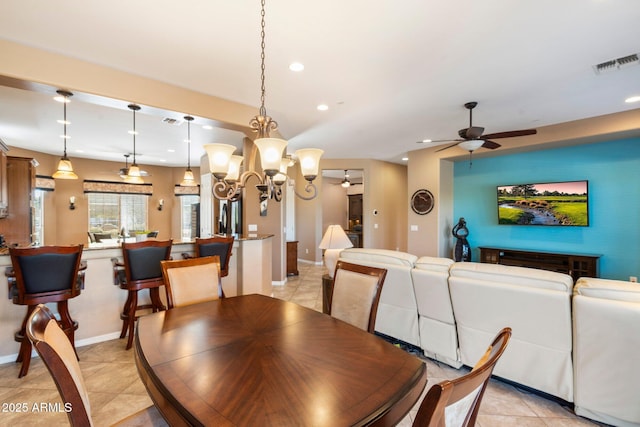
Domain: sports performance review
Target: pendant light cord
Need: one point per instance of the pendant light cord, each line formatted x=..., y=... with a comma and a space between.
x=64, y=124
x=263, y=110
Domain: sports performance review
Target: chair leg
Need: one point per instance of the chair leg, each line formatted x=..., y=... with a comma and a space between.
x=132, y=317
x=156, y=302
x=24, y=354
x=67, y=324
x=124, y=315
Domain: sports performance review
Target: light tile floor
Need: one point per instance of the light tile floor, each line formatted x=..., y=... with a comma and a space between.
x=116, y=391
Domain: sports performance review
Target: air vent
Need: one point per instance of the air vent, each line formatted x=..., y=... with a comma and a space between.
x=616, y=64
x=170, y=121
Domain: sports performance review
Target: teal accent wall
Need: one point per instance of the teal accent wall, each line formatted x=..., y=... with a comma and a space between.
x=613, y=171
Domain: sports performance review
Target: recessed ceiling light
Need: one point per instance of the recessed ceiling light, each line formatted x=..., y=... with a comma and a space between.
x=79, y=151
x=207, y=127
x=426, y=140
x=171, y=150
x=132, y=132
x=404, y=159
x=296, y=66
x=64, y=122
x=323, y=107
x=64, y=99
x=632, y=99
x=163, y=160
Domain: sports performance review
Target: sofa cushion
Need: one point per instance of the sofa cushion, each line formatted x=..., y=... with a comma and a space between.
x=434, y=264
x=517, y=276
x=384, y=256
x=607, y=289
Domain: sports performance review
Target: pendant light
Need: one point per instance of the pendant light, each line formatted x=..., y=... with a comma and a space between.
x=188, y=180
x=65, y=169
x=134, y=176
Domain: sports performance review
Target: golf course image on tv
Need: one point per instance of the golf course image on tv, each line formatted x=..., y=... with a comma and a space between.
x=550, y=203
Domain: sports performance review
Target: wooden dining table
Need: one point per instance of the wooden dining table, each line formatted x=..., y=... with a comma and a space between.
x=253, y=360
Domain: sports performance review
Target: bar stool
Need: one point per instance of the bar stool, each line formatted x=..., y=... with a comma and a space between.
x=43, y=275
x=217, y=245
x=140, y=270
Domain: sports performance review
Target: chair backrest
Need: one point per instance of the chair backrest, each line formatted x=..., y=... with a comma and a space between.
x=456, y=402
x=46, y=273
x=193, y=280
x=59, y=357
x=217, y=245
x=356, y=293
x=142, y=259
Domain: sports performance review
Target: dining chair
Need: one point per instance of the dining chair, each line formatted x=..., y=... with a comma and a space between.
x=456, y=402
x=216, y=245
x=46, y=274
x=193, y=280
x=142, y=270
x=58, y=355
x=356, y=294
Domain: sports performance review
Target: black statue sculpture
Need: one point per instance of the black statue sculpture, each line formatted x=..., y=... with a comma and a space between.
x=463, y=250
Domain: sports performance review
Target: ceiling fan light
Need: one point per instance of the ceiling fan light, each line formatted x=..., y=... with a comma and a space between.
x=134, y=180
x=134, y=171
x=472, y=144
x=346, y=183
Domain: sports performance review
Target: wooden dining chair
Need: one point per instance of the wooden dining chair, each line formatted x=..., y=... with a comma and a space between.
x=193, y=280
x=142, y=270
x=356, y=294
x=58, y=355
x=216, y=245
x=456, y=402
x=47, y=274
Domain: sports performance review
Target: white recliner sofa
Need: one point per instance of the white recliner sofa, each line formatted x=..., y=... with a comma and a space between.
x=606, y=350
x=536, y=304
x=397, y=310
x=438, y=335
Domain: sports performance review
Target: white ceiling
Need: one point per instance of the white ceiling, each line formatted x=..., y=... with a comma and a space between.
x=392, y=73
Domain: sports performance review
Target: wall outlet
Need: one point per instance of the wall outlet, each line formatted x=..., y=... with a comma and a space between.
x=633, y=279
x=414, y=228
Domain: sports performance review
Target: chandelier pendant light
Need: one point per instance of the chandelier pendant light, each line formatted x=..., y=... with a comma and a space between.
x=225, y=167
x=65, y=169
x=188, y=179
x=134, y=176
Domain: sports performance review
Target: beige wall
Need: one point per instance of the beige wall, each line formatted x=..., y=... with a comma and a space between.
x=384, y=191
x=64, y=226
x=335, y=204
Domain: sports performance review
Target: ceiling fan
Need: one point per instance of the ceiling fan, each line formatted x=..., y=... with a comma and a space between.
x=472, y=138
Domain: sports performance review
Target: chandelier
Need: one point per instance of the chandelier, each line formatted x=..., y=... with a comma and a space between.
x=225, y=166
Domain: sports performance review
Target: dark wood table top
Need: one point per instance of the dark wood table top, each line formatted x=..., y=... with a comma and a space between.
x=253, y=360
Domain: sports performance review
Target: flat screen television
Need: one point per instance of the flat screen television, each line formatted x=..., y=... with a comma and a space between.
x=548, y=203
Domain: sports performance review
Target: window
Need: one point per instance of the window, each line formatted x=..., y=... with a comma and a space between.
x=189, y=211
x=38, y=217
x=110, y=212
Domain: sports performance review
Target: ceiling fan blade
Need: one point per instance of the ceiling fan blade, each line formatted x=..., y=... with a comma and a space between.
x=490, y=145
x=448, y=146
x=474, y=132
x=511, y=134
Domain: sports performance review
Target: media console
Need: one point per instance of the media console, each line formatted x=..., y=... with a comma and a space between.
x=575, y=265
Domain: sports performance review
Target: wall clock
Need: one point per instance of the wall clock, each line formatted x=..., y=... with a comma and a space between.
x=422, y=202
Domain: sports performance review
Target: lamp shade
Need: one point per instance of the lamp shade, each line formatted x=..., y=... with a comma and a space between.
x=335, y=238
x=188, y=180
x=334, y=241
x=219, y=156
x=65, y=170
x=309, y=159
x=233, y=173
x=271, y=150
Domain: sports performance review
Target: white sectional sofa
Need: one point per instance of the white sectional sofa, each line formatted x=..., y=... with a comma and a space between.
x=536, y=304
x=606, y=324
x=580, y=344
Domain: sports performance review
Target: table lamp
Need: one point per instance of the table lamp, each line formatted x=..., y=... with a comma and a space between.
x=334, y=241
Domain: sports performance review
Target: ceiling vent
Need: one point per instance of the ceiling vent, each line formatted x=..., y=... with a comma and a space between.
x=170, y=121
x=616, y=64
